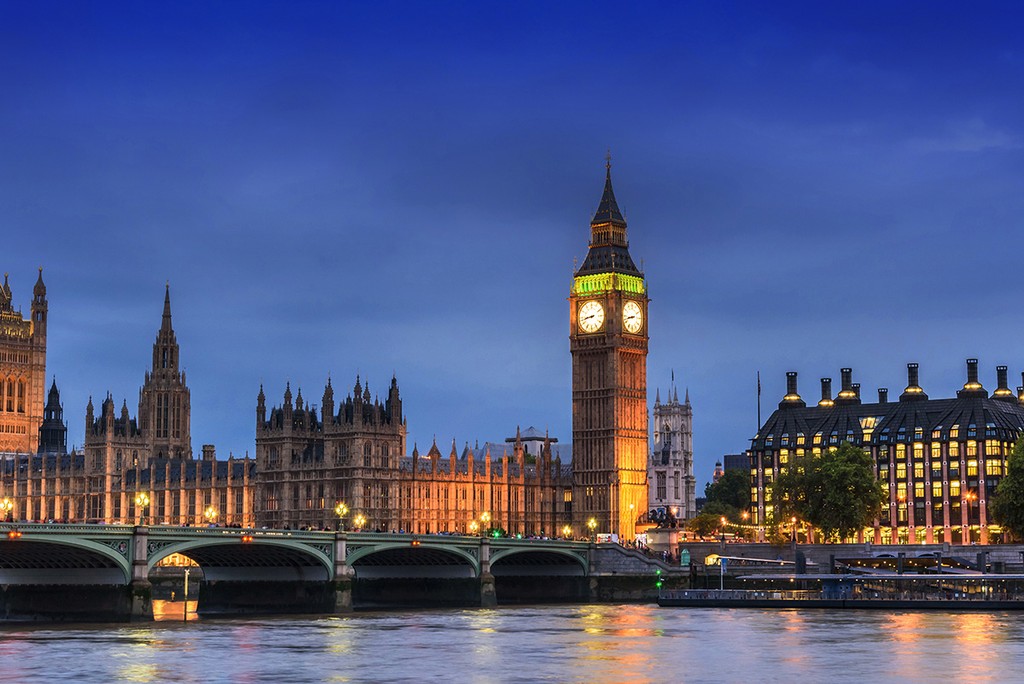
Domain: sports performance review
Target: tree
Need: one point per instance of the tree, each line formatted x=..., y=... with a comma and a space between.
x=1008, y=504
x=836, y=492
x=705, y=524
x=732, y=489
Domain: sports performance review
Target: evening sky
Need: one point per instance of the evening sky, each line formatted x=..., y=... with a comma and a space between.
x=379, y=188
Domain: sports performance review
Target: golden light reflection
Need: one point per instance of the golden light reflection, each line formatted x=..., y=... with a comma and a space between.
x=173, y=610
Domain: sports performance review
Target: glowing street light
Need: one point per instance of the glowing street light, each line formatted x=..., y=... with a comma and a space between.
x=210, y=514
x=141, y=503
x=7, y=506
x=360, y=520
x=592, y=524
x=474, y=526
x=340, y=510
x=567, y=532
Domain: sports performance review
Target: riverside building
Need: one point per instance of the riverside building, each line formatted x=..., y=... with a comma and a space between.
x=939, y=460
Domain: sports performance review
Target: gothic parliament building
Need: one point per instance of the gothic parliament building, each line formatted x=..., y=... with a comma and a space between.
x=354, y=450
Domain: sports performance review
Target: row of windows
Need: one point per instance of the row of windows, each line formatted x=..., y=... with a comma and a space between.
x=13, y=357
x=12, y=395
x=867, y=426
x=13, y=429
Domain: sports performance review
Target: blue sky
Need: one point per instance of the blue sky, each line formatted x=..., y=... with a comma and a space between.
x=381, y=188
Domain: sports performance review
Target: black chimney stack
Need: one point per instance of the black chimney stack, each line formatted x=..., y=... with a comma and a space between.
x=1002, y=392
x=913, y=392
x=883, y=395
x=850, y=393
x=792, y=398
x=972, y=388
x=826, y=393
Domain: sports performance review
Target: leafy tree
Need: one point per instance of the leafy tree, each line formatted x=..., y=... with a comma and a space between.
x=705, y=524
x=836, y=492
x=717, y=509
x=732, y=489
x=1008, y=503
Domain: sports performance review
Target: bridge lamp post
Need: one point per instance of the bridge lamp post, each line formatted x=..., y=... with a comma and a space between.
x=360, y=521
x=474, y=527
x=7, y=506
x=567, y=532
x=210, y=514
x=485, y=518
x=141, y=502
x=592, y=524
x=341, y=510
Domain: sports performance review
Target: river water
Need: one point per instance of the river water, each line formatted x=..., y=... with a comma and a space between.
x=596, y=643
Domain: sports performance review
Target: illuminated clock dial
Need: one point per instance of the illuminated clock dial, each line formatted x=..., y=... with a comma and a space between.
x=632, y=317
x=591, y=316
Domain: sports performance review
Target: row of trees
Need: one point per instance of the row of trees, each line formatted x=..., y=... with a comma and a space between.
x=838, y=495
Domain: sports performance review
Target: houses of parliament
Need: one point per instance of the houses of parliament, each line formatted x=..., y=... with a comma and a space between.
x=353, y=450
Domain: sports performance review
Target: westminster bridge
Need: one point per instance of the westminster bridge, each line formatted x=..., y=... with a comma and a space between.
x=102, y=572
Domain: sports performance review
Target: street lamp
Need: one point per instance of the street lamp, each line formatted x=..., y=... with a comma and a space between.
x=485, y=518
x=7, y=505
x=141, y=502
x=340, y=510
x=473, y=526
x=567, y=533
x=210, y=514
x=592, y=524
x=360, y=521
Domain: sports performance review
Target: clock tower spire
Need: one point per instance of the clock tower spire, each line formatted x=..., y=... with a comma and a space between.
x=608, y=340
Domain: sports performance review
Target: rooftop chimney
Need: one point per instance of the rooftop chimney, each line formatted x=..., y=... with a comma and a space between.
x=972, y=388
x=1002, y=392
x=792, y=398
x=913, y=391
x=848, y=394
x=826, y=393
x=856, y=389
x=883, y=395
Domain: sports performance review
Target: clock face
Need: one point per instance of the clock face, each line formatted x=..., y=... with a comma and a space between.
x=591, y=316
x=632, y=317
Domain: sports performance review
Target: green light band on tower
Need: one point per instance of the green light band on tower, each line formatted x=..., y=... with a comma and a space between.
x=605, y=282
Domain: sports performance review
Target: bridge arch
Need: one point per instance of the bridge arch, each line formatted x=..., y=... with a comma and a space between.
x=402, y=559
x=64, y=560
x=259, y=559
x=538, y=561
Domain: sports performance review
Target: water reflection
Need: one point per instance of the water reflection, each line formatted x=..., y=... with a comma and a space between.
x=628, y=643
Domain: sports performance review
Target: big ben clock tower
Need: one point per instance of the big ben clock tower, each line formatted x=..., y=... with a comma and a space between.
x=608, y=341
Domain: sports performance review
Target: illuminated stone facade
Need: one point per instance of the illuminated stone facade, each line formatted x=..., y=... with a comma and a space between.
x=939, y=460
x=608, y=337
x=124, y=457
x=672, y=486
x=22, y=370
x=308, y=461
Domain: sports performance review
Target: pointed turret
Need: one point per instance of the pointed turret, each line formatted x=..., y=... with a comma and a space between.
x=261, y=407
x=166, y=323
x=608, y=209
x=53, y=432
x=609, y=247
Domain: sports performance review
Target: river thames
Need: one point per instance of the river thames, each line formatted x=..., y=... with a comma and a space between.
x=595, y=643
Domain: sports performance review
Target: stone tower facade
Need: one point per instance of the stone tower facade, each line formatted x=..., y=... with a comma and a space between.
x=672, y=486
x=117, y=443
x=608, y=337
x=308, y=463
x=22, y=370
x=164, y=400
x=53, y=435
